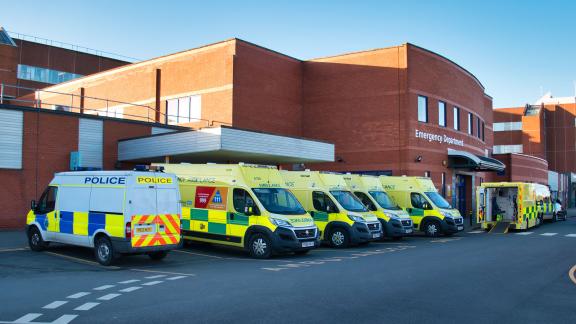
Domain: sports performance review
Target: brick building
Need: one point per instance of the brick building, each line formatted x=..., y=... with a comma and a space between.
x=402, y=110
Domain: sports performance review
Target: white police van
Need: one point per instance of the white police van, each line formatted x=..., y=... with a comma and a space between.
x=115, y=212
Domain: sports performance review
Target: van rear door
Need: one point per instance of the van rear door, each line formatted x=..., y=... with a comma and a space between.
x=168, y=219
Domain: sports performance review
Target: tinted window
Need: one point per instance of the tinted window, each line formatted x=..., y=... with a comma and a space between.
x=418, y=201
x=365, y=200
x=383, y=200
x=47, y=202
x=422, y=109
x=442, y=114
x=242, y=199
x=279, y=201
x=323, y=202
x=456, y=118
x=348, y=201
x=438, y=200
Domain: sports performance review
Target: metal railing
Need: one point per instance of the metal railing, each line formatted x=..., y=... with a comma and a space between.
x=81, y=104
x=72, y=47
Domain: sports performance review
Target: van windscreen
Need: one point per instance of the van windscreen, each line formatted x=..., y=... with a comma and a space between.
x=279, y=201
x=383, y=200
x=348, y=201
x=438, y=200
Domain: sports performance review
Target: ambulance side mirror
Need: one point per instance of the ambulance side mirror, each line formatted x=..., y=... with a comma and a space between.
x=33, y=205
x=249, y=210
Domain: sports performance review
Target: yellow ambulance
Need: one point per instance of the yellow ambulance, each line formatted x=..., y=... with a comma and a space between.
x=242, y=205
x=114, y=212
x=508, y=205
x=396, y=223
x=544, y=203
x=340, y=216
x=429, y=211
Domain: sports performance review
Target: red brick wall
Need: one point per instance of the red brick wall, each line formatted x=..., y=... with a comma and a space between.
x=561, y=137
x=523, y=168
x=115, y=131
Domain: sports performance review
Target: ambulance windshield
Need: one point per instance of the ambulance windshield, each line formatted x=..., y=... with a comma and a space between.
x=279, y=201
x=348, y=201
x=383, y=200
x=438, y=200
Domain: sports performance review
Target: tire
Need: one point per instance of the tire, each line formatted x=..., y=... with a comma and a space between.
x=260, y=246
x=35, y=240
x=301, y=252
x=339, y=238
x=432, y=228
x=157, y=256
x=104, y=251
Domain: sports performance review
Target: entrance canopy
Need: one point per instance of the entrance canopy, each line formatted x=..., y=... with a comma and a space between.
x=468, y=161
x=223, y=144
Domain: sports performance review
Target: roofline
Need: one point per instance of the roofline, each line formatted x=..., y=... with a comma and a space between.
x=267, y=49
x=357, y=52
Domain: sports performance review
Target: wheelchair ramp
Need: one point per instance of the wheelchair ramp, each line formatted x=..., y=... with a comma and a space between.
x=500, y=228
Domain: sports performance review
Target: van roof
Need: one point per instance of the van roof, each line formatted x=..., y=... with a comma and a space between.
x=247, y=175
x=363, y=182
x=403, y=183
x=315, y=179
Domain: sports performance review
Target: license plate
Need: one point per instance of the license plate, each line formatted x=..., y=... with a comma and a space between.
x=460, y=228
x=377, y=235
x=307, y=244
x=144, y=229
x=408, y=231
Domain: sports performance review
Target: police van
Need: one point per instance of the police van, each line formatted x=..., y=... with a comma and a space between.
x=114, y=212
x=429, y=211
x=396, y=222
x=242, y=205
x=341, y=217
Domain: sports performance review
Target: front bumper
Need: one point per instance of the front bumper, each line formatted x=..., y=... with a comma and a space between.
x=295, y=239
x=452, y=226
x=397, y=228
x=366, y=232
x=124, y=246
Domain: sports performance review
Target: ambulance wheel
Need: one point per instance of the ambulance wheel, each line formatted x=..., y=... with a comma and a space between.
x=156, y=256
x=260, y=246
x=432, y=228
x=339, y=238
x=104, y=251
x=35, y=240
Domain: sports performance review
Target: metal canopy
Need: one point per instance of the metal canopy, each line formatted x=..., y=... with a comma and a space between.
x=224, y=144
x=465, y=160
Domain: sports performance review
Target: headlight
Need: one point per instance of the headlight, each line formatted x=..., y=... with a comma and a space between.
x=280, y=222
x=355, y=218
x=394, y=217
x=445, y=214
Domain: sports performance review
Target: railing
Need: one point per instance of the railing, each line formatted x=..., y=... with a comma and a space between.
x=72, y=47
x=81, y=104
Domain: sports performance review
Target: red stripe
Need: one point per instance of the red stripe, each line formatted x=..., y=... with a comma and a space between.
x=171, y=220
x=140, y=240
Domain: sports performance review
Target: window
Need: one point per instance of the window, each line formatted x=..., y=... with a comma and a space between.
x=38, y=74
x=47, y=202
x=438, y=200
x=427, y=174
x=483, y=131
x=507, y=126
x=5, y=39
x=456, y=118
x=504, y=149
x=470, y=124
x=111, y=200
x=279, y=201
x=442, y=113
x=184, y=110
x=422, y=109
x=443, y=184
x=478, y=128
x=80, y=203
x=242, y=200
x=418, y=201
x=383, y=200
x=322, y=202
x=365, y=200
x=348, y=201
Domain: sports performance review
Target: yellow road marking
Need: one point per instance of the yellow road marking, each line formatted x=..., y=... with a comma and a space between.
x=572, y=275
x=14, y=249
x=199, y=254
x=81, y=260
x=165, y=272
x=228, y=258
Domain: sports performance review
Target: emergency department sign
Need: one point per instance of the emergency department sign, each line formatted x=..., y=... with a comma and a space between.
x=211, y=198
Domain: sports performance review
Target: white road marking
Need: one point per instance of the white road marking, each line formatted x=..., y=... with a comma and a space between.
x=86, y=306
x=64, y=319
x=476, y=232
x=27, y=318
x=571, y=235
x=571, y=274
x=156, y=277
x=152, y=283
x=109, y=296
x=55, y=304
x=129, y=281
x=14, y=249
x=176, y=278
x=524, y=233
x=78, y=295
x=166, y=272
x=130, y=289
x=104, y=287
x=199, y=254
x=548, y=234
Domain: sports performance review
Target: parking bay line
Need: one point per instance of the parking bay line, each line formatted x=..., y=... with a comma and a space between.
x=86, y=306
x=109, y=296
x=130, y=289
x=166, y=272
x=104, y=287
x=548, y=234
x=55, y=304
x=152, y=283
x=14, y=249
x=570, y=235
x=81, y=260
x=78, y=295
x=156, y=277
x=228, y=258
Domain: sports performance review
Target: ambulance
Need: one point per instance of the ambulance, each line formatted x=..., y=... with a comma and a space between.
x=114, y=212
x=341, y=217
x=544, y=203
x=245, y=206
x=396, y=223
x=429, y=211
x=509, y=205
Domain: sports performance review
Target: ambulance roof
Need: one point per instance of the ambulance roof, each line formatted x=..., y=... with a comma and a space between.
x=314, y=179
x=247, y=175
x=363, y=182
x=404, y=183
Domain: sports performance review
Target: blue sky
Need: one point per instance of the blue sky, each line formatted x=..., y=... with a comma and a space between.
x=516, y=48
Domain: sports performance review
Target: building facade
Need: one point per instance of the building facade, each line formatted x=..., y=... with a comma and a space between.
x=402, y=110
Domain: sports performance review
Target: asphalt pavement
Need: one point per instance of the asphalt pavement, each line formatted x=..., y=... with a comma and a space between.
x=473, y=277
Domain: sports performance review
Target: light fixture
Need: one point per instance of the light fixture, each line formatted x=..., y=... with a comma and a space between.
x=419, y=158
